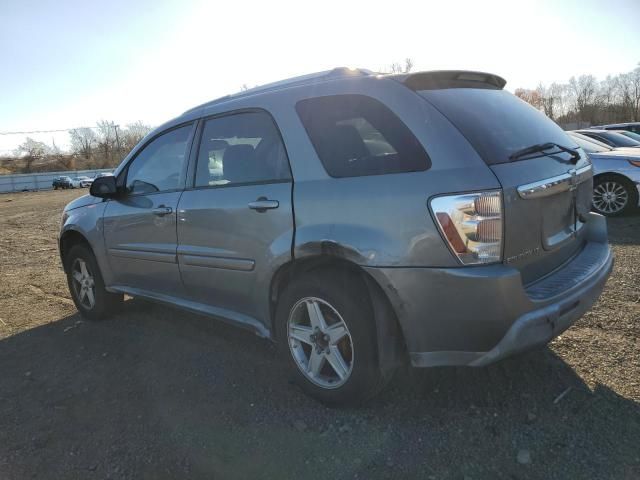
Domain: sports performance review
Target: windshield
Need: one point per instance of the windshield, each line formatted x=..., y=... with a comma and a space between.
x=588, y=146
x=631, y=135
x=617, y=139
x=496, y=122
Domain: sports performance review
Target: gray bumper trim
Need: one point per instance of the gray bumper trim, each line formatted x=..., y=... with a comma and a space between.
x=532, y=329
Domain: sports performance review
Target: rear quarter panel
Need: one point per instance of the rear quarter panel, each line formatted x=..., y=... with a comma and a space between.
x=380, y=220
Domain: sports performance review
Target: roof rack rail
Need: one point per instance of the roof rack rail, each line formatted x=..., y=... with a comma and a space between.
x=338, y=72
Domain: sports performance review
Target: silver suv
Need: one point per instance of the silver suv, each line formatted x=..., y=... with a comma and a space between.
x=358, y=220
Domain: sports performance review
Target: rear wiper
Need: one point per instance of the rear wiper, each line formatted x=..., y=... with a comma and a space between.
x=541, y=147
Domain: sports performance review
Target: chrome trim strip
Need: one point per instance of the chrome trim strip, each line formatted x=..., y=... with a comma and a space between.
x=553, y=185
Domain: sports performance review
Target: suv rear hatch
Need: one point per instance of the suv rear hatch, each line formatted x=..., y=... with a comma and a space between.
x=546, y=194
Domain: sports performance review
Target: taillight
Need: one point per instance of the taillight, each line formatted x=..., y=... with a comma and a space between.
x=471, y=223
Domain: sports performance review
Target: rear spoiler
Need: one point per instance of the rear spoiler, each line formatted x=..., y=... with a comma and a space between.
x=451, y=79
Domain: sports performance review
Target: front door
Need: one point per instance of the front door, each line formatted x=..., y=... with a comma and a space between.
x=235, y=227
x=140, y=225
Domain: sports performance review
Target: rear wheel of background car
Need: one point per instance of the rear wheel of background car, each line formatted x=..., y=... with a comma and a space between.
x=87, y=287
x=327, y=334
x=614, y=195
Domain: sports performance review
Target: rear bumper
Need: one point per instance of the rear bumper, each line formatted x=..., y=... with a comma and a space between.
x=476, y=316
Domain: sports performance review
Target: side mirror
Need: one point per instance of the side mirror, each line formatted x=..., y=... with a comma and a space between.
x=104, y=187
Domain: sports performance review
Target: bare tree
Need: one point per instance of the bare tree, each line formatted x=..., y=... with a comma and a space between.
x=83, y=141
x=397, y=67
x=132, y=134
x=530, y=96
x=584, y=90
x=632, y=80
x=31, y=151
x=106, y=143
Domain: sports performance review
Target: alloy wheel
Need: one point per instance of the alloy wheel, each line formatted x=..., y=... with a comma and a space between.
x=83, y=284
x=610, y=197
x=320, y=342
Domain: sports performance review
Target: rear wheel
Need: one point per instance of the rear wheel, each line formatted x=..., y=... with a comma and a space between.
x=614, y=195
x=327, y=333
x=87, y=287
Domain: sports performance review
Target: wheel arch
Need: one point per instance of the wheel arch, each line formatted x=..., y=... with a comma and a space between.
x=391, y=353
x=68, y=240
x=612, y=174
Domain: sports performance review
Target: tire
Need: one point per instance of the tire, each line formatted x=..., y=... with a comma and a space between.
x=103, y=303
x=341, y=297
x=622, y=195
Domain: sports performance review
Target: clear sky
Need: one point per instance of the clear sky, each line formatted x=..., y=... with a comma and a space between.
x=72, y=62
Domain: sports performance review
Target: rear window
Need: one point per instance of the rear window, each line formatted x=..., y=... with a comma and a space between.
x=356, y=135
x=496, y=122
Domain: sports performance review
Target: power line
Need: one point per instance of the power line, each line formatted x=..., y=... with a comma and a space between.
x=42, y=131
x=53, y=131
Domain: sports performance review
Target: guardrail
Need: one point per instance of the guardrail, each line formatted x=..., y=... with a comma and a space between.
x=40, y=181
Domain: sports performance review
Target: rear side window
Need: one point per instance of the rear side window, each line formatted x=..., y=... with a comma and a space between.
x=356, y=135
x=241, y=148
x=495, y=122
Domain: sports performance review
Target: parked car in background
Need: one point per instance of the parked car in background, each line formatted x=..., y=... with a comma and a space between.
x=85, y=181
x=632, y=135
x=436, y=218
x=62, y=182
x=611, y=138
x=616, y=179
x=103, y=174
x=630, y=127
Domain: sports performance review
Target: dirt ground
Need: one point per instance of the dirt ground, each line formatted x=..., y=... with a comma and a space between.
x=158, y=393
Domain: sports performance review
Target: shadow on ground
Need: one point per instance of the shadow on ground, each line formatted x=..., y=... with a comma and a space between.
x=624, y=230
x=157, y=393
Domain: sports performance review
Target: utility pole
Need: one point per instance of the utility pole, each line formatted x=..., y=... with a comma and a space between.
x=115, y=127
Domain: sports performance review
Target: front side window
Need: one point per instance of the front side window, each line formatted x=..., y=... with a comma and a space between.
x=241, y=148
x=160, y=164
x=356, y=135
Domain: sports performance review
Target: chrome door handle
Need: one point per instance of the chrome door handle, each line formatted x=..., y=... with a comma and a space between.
x=263, y=204
x=161, y=211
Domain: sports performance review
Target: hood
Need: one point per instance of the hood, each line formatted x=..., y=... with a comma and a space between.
x=617, y=154
x=82, y=202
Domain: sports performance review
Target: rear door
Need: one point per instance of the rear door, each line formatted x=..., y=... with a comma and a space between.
x=140, y=226
x=545, y=194
x=235, y=226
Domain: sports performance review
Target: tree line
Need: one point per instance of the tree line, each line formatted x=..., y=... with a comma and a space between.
x=102, y=146
x=585, y=101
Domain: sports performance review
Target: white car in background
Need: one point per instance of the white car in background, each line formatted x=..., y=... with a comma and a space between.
x=85, y=182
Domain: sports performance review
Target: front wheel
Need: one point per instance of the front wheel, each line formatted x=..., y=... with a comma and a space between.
x=326, y=332
x=614, y=195
x=93, y=301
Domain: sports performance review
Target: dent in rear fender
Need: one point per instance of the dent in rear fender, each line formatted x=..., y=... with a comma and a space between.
x=343, y=241
x=87, y=221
